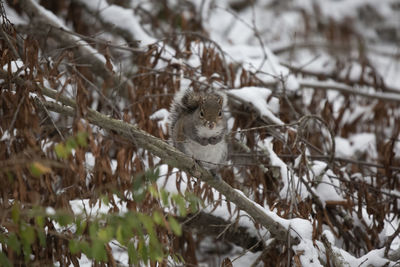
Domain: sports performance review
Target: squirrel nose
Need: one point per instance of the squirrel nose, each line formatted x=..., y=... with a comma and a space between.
x=211, y=125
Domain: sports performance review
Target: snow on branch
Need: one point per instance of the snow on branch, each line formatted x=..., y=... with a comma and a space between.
x=44, y=18
x=119, y=19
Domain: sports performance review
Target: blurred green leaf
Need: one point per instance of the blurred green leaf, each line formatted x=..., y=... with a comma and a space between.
x=181, y=202
x=99, y=251
x=119, y=235
x=15, y=213
x=37, y=169
x=106, y=234
x=42, y=238
x=142, y=249
x=39, y=221
x=70, y=144
x=164, y=197
x=158, y=218
x=27, y=234
x=81, y=138
x=152, y=174
x=73, y=246
x=4, y=260
x=64, y=219
x=61, y=151
x=132, y=253
x=93, y=229
x=175, y=226
x=85, y=248
x=14, y=243
x=80, y=227
x=153, y=191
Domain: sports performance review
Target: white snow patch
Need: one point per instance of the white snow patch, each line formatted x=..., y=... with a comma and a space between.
x=162, y=117
x=257, y=97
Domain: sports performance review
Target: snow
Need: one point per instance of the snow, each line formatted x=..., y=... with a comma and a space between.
x=56, y=22
x=161, y=116
x=15, y=66
x=121, y=17
x=327, y=188
x=257, y=97
x=289, y=179
x=364, y=142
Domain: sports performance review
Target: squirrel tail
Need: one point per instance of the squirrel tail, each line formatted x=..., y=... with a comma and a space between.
x=185, y=101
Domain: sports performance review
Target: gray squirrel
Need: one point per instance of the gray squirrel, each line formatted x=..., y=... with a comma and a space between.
x=198, y=126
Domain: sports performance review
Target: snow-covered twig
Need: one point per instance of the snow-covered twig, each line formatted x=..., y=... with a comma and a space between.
x=348, y=89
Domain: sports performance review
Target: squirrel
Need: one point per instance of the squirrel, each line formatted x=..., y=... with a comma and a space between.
x=198, y=126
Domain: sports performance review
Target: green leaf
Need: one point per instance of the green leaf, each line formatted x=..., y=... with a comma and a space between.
x=105, y=200
x=61, y=151
x=27, y=234
x=42, y=238
x=27, y=251
x=155, y=253
x=180, y=201
x=39, y=221
x=71, y=144
x=193, y=200
x=175, y=226
x=132, y=253
x=158, y=218
x=15, y=213
x=93, y=229
x=152, y=174
x=138, y=183
x=86, y=249
x=149, y=225
x=106, y=234
x=119, y=235
x=99, y=251
x=81, y=139
x=37, y=169
x=153, y=191
x=64, y=219
x=14, y=243
x=142, y=249
x=4, y=260
x=164, y=197
x=80, y=227
x=73, y=246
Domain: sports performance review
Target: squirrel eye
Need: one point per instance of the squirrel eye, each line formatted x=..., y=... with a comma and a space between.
x=201, y=114
x=219, y=114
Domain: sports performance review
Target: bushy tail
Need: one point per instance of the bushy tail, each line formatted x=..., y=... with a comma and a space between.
x=185, y=102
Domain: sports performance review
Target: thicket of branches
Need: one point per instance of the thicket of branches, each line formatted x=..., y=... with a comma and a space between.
x=83, y=109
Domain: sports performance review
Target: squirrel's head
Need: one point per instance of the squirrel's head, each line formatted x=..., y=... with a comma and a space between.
x=210, y=110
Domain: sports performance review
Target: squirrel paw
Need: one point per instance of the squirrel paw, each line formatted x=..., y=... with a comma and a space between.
x=203, y=141
x=214, y=140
